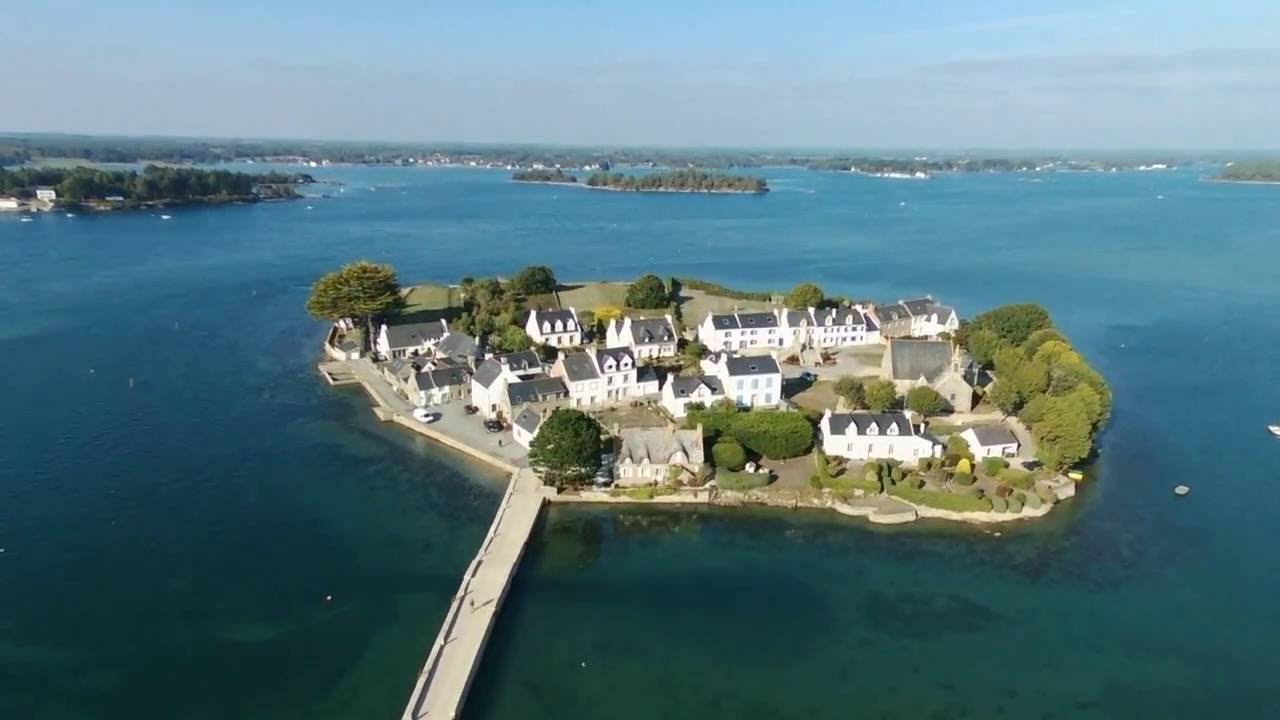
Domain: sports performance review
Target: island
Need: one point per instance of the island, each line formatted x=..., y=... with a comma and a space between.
x=544, y=175
x=1261, y=173
x=688, y=180
x=156, y=185
x=894, y=411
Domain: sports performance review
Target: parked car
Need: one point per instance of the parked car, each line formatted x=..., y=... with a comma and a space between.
x=425, y=416
x=470, y=409
x=493, y=426
x=808, y=376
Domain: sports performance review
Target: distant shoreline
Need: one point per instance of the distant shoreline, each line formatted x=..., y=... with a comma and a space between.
x=641, y=190
x=1229, y=181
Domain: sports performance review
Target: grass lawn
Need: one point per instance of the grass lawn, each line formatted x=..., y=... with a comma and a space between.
x=818, y=396
x=941, y=500
x=589, y=296
x=730, y=480
x=425, y=298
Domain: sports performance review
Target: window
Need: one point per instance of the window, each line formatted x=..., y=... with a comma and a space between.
x=768, y=398
x=755, y=383
x=739, y=385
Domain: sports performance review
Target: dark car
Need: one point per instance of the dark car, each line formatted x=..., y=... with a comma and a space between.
x=470, y=409
x=493, y=426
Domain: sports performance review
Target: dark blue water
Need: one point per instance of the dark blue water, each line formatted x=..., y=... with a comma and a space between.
x=179, y=492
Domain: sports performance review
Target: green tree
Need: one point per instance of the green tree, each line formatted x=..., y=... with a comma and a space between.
x=1030, y=378
x=727, y=453
x=1038, y=338
x=649, y=292
x=958, y=448
x=852, y=390
x=880, y=395
x=925, y=400
x=1064, y=436
x=1014, y=323
x=1004, y=395
x=803, y=296
x=566, y=450
x=534, y=280
x=359, y=290
x=511, y=338
x=982, y=345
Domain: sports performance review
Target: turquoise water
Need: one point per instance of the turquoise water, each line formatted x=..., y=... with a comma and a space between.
x=179, y=492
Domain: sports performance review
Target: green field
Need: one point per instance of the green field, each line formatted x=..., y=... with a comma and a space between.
x=425, y=298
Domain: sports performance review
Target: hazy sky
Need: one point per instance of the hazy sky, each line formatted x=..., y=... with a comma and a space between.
x=895, y=73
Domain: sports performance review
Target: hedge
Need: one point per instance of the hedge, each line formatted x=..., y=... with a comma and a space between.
x=993, y=465
x=998, y=504
x=729, y=454
x=1016, y=477
x=1015, y=505
x=775, y=434
x=730, y=480
x=711, y=288
x=964, y=479
x=941, y=500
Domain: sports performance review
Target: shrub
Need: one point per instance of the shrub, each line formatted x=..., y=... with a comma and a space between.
x=914, y=481
x=998, y=504
x=777, y=435
x=941, y=500
x=1046, y=494
x=958, y=447
x=730, y=480
x=534, y=280
x=963, y=479
x=1015, y=505
x=925, y=400
x=896, y=474
x=993, y=465
x=1015, y=477
x=729, y=454
x=964, y=467
x=872, y=475
x=648, y=291
x=815, y=482
x=1033, y=501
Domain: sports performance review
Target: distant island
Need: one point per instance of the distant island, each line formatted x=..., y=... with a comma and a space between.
x=678, y=181
x=1266, y=173
x=544, y=175
x=155, y=185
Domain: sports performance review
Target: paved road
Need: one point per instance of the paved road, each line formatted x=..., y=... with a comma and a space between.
x=446, y=676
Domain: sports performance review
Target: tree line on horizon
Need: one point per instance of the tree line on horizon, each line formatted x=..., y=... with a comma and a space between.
x=687, y=180
x=154, y=183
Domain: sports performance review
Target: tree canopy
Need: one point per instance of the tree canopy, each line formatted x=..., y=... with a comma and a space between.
x=1012, y=323
x=511, y=338
x=154, y=184
x=688, y=180
x=880, y=395
x=852, y=390
x=648, y=292
x=534, y=280
x=567, y=448
x=359, y=290
x=925, y=400
x=804, y=296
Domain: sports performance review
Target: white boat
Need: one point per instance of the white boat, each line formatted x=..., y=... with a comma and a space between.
x=26, y=218
x=1274, y=430
x=71, y=214
x=166, y=217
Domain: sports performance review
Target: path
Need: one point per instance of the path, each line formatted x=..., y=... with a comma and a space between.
x=451, y=664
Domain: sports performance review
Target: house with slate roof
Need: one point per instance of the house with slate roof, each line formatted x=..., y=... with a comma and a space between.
x=935, y=363
x=681, y=390
x=409, y=339
x=490, y=381
x=991, y=441
x=742, y=331
x=919, y=318
x=605, y=376
x=752, y=381
x=826, y=328
x=650, y=456
x=557, y=328
x=541, y=392
x=868, y=435
x=438, y=386
x=647, y=337
x=525, y=426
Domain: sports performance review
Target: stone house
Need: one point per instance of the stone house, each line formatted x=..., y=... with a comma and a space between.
x=652, y=456
x=933, y=363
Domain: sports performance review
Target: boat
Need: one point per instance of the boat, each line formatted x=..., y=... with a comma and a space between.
x=166, y=217
x=71, y=214
x=26, y=218
x=1274, y=430
x=1075, y=475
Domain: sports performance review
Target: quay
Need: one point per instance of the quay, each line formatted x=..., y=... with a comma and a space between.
x=446, y=675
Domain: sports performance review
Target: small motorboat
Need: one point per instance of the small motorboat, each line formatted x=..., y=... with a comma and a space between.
x=166, y=217
x=26, y=218
x=1274, y=430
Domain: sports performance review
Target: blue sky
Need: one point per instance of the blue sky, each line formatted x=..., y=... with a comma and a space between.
x=936, y=74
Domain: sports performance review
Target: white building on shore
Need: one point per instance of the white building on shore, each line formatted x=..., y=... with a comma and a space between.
x=868, y=436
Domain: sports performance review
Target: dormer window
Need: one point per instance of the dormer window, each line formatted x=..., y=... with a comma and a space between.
x=873, y=429
x=559, y=326
x=893, y=429
x=546, y=326
x=626, y=364
x=569, y=325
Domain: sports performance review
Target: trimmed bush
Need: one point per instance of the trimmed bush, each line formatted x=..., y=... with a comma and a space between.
x=993, y=465
x=729, y=454
x=1033, y=501
x=963, y=466
x=1016, y=477
x=815, y=482
x=999, y=505
x=730, y=480
x=964, y=479
x=941, y=500
x=777, y=435
x=1015, y=505
x=1046, y=494
x=896, y=474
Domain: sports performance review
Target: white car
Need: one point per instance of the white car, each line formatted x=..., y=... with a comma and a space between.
x=424, y=416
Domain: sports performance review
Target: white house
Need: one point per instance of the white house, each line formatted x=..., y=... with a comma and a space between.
x=541, y=391
x=46, y=194
x=557, y=328
x=919, y=318
x=752, y=381
x=741, y=331
x=991, y=441
x=680, y=390
x=651, y=456
x=10, y=203
x=647, y=337
x=866, y=436
x=525, y=426
x=829, y=327
x=410, y=339
x=489, y=384
x=438, y=386
x=604, y=377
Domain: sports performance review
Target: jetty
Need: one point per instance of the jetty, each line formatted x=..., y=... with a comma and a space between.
x=451, y=664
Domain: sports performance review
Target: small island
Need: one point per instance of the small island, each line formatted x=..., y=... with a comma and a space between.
x=1260, y=173
x=157, y=185
x=544, y=175
x=689, y=181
